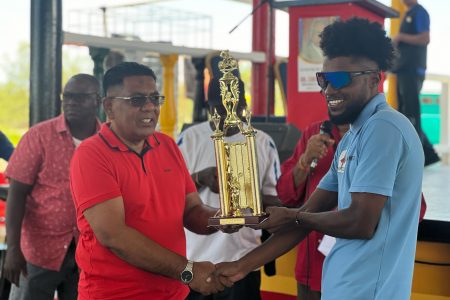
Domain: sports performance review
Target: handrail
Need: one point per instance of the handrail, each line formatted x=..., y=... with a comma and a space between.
x=444, y=146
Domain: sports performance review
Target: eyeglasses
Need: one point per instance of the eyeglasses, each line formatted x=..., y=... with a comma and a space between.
x=338, y=80
x=139, y=101
x=78, y=97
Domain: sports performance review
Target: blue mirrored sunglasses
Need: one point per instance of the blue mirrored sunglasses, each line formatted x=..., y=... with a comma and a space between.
x=338, y=80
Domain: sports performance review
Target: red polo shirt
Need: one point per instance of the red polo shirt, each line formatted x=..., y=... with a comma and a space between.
x=153, y=187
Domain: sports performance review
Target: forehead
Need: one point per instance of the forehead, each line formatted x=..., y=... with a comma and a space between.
x=139, y=84
x=80, y=86
x=346, y=63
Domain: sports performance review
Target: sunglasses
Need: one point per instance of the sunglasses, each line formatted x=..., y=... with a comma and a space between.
x=139, y=101
x=338, y=80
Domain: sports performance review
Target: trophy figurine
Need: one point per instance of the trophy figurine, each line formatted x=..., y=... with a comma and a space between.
x=237, y=164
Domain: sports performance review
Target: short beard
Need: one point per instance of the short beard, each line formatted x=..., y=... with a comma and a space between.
x=347, y=117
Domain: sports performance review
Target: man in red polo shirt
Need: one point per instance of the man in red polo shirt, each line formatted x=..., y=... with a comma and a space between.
x=40, y=217
x=133, y=195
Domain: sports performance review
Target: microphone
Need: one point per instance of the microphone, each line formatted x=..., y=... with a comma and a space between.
x=325, y=128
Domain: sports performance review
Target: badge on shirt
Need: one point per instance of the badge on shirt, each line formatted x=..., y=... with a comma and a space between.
x=408, y=19
x=342, y=161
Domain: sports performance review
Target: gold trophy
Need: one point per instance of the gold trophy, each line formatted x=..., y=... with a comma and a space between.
x=237, y=163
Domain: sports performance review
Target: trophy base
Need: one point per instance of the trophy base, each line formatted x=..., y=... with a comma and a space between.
x=244, y=220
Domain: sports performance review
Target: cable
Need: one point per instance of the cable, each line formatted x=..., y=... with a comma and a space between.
x=440, y=264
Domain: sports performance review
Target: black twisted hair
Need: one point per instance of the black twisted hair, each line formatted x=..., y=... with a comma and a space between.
x=359, y=38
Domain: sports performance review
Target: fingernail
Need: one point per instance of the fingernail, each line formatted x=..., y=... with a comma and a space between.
x=208, y=280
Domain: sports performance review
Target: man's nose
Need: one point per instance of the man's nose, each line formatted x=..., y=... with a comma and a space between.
x=329, y=90
x=149, y=106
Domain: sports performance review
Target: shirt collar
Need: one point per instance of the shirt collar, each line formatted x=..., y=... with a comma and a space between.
x=114, y=142
x=61, y=125
x=376, y=103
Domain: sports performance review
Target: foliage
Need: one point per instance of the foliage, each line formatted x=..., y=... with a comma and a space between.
x=14, y=88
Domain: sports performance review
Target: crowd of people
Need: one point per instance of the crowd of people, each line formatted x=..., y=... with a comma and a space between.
x=120, y=211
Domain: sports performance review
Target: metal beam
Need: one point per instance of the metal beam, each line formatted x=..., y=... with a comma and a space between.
x=152, y=47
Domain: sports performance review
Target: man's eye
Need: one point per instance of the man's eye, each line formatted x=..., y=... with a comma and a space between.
x=139, y=99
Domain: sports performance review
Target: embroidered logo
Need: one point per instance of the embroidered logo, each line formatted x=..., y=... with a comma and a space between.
x=342, y=161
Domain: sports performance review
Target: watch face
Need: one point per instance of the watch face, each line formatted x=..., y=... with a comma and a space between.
x=186, y=276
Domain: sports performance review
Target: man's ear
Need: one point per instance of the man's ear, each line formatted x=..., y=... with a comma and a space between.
x=375, y=80
x=98, y=101
x=107, y=107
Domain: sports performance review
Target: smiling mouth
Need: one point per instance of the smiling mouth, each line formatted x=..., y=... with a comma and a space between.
x=334, y=102
x=147, y=121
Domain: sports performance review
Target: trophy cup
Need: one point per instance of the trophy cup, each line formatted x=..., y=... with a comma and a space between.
x=237, y=164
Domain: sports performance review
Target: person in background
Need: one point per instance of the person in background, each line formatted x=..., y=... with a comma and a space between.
x=369, y=200
x=296, y=184
x=410, y=67
x=198, y=151
x=133, y=196
x=40, y=216
x=6, y=148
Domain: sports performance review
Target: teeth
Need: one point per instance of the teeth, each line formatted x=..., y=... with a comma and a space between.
x=335, y=102
x=146, y=120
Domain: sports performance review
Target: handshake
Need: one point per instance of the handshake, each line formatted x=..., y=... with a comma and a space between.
x=210, y=279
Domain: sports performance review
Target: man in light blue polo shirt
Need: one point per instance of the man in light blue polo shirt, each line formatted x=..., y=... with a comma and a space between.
x=381, y=155
x=375, y=179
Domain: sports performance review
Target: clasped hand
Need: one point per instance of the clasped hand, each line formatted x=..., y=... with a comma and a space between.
x=211, y=279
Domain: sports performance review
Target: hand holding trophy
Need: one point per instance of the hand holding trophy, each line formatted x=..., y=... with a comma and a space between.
x=237, y=164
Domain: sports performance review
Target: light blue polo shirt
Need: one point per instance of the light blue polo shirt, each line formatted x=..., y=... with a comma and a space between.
x=380, y=154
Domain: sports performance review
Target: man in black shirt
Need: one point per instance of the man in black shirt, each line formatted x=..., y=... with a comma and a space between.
x=412, y=44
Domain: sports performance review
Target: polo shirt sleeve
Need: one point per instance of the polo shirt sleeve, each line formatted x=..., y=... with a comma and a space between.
x=330, y=181
x=271, y=169
x=92, y=180
x=422, y=19
x=183, y=146
x=380, y=151
x=27, y=158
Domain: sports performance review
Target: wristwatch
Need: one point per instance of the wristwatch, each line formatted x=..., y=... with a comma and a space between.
x=186, y=275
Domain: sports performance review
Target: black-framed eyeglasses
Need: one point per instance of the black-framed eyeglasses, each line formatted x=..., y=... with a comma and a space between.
x=139, y=101
x=78, y=97
x=339, y=79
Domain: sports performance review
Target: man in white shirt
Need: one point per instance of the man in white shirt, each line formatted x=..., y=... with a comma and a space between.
x=197, y=148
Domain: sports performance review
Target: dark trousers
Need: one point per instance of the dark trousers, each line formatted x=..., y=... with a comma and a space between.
x=305, y=293
x=41, y=284
x=408, y=90
x=247, y=288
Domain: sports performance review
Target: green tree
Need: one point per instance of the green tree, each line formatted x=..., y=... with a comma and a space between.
x=14, y=87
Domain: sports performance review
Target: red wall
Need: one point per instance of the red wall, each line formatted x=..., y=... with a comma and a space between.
x=307, y=107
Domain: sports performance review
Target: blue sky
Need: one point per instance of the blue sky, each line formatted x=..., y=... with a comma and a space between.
x=15, y=14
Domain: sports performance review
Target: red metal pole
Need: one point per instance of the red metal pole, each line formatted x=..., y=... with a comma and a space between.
x=261, y=41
